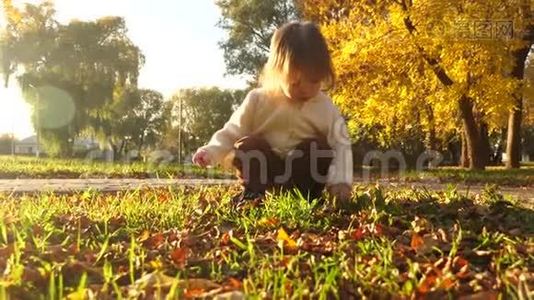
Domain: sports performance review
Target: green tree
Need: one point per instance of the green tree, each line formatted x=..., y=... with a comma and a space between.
x=250, y=25
x=90, y=62
x=146, y=122
x=203, y=112
x=6, y=143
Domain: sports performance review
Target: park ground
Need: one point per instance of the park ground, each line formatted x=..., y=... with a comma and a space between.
x=161, y=232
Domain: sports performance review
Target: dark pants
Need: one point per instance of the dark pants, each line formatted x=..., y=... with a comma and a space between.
x=305, y=168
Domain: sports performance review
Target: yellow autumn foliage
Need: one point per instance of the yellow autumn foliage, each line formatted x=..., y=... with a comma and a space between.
x=384, y=80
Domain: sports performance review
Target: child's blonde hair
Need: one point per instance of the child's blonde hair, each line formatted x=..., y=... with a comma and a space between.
x=297, y=47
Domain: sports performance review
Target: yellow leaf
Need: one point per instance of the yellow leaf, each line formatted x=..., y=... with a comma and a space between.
x=268, y=222
x=288, y=242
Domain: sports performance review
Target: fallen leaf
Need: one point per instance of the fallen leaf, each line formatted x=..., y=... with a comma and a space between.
x=357, y=234
x=287, y=241
x=459, y=262
x=486, y=295
x=162, y=282
x=268, y=222
x=73, y=249
x=37, y=230
x=447, y=283
x=233, y=295
x=420, y=224
x=7, y=250
x=288, y=287
x=179, y=256
x=56, y=253
x=156, y=264
x=199, y=283
x=422, y=244
x=426, y=284
x=144, y=236
x=194, y=293
x=156, y=279
x=463, y=273
x=235, y=283
x=10, y=219
x=74, y=268
x=154, y=241
x=33, y=275
x=81, y=295
x=377, y=229
x=417, y=242
x=225, y=239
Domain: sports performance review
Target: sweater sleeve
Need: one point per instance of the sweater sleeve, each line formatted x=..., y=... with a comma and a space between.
x=239, y=125
x=341, y=169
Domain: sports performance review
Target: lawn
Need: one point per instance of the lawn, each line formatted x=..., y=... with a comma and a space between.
x=30, y=167
x=189, y=243
x=492, y=175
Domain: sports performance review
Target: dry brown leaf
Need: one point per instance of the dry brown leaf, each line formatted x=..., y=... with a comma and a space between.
x=422, y=244
x=447, y=283
x=357, y=234
x=225, y=239
x=417, y=241
x=194, y=293
x=154, y=241
x=7, y=251
x=158, y=280
x=426, y=284
x=235, y=283
x=179, y=256
x=486, y=295
x=233, y=295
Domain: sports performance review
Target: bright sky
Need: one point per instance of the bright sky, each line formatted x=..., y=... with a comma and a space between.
x=178, y=37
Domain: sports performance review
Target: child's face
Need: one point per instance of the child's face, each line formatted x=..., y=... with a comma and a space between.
x=299, y=87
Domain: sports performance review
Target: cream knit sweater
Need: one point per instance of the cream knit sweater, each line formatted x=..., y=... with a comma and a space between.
x=284, y=124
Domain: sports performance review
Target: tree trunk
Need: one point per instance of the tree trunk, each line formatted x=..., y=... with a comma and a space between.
x=465, y=106
x=431, y=139
x=472, y=134
x=513, y=144
x=464, y=160
x=485, y=144
x=121, y=148
x=141, y=144
x=114, y=149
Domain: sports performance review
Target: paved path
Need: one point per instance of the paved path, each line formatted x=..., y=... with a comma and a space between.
x=104, y=185
x=110, y=185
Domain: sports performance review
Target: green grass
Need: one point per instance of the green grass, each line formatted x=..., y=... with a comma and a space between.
x=188, y=242
x=492, y=175
x=31, y=167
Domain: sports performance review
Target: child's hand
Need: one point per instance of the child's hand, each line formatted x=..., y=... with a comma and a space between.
x=201, y=158
x=341, y=192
